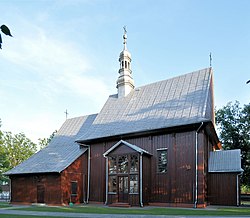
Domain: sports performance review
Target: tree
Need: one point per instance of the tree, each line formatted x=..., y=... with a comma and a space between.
x=18, y=148
x=14, y=149
x=234, y=132
x=45, y=141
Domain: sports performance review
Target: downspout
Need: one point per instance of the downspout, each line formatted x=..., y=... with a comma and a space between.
x=238, y=193
x=106, y=201
x=88, y=147
x=88, y=174
x=10, y=190
x=141, y=202
x=196, y=165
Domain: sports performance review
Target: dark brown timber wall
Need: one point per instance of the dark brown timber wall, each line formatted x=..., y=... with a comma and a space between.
x=51, y=188
x=223, y=189
x=36, y=188
x=177, y=185
x=76, y=172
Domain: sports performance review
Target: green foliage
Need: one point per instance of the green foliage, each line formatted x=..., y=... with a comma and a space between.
x=14, y=149
x=18, y=148
x=234, y=131
x=45, y=141
x=245, y=189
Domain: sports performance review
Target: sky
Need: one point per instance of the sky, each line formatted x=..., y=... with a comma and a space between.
x=64, y=53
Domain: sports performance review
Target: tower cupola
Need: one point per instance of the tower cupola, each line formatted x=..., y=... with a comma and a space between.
x=125, y=82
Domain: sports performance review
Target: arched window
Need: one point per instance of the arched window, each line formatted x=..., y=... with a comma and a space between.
x=128, y=65
x=122, y=64
x=125, y=64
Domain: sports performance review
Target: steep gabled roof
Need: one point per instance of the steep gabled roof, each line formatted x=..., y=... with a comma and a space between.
x=61, y=152
x=182, y=100
x=225, y=161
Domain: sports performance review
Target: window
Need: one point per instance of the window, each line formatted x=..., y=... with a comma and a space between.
x=133, y=184
x=123, y=173
x=134, y=163
x=112, y=183
x=162, y=155
x=73, y=188
x=112, y=165
x=123, y=164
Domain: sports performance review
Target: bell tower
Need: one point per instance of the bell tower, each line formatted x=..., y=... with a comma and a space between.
x=125, y=82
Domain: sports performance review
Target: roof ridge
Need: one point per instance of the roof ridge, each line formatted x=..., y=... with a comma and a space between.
x=174, y=77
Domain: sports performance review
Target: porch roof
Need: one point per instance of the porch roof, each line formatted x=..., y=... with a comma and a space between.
x=134, y=147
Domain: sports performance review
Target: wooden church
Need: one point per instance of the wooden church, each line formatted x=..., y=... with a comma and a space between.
x=149, y=145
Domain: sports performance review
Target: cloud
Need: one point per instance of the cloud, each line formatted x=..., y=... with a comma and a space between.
x=43, y=72
x=55, y=65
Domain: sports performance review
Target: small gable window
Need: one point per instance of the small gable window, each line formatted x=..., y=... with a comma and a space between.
x=162, y=157
x=73, y=188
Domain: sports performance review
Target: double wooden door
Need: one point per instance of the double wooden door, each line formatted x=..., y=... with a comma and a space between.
x=123, y=189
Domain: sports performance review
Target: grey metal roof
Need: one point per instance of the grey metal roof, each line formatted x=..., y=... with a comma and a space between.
x=134, y=147
x=178, y=101
x=61, y=151
x=225, y=161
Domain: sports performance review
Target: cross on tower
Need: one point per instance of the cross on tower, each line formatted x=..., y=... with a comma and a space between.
x=66, y=113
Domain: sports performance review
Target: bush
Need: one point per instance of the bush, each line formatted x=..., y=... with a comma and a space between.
x=245, y=189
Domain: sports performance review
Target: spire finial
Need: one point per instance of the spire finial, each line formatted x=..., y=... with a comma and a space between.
x=125, y=38
x=210, y=59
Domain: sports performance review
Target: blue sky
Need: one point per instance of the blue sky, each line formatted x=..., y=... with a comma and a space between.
x=64, y=53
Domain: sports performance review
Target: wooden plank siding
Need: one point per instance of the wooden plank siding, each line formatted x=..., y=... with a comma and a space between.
x=76, y=172
x=24, y=188
x=223, y=189
x=146, y=180
x=177, y=185
x=55, y=188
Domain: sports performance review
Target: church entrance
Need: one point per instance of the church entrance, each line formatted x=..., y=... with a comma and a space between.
x=123, y=189
x=124, y=174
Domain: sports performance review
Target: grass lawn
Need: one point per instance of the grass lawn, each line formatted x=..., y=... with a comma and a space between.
x=24, y=216
x=144, y=211
x=4, y=204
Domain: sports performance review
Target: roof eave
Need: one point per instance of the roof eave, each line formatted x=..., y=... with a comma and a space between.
x=227, y=171
x=144, y=132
